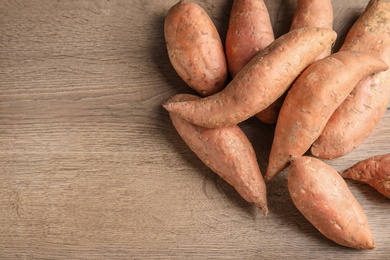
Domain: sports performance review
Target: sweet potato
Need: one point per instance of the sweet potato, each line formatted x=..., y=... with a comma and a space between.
x=312, y=99
x=309, y=13
x=228, y=152
x=375, y=171
x=264, y=79
x=195, y=48
x=314, y=13
x=324, y=199
x=357, y=117
x=249, y=31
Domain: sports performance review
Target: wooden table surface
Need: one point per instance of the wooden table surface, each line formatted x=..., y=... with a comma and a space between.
x=91, y=166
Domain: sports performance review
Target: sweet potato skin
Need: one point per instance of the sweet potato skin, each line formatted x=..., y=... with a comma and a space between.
x=323, y=197
x=270, y=114
x=309, y=13
x=312, y=99
x=249, y=31
x=195, y=48
x=228, y=152
x=314, y=13
x=264, y=79
x=358, y=116
x=375, y=171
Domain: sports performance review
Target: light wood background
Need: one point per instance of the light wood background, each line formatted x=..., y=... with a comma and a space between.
x=91, y=166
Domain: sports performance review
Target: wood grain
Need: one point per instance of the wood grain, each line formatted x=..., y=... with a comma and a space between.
x=91, y=166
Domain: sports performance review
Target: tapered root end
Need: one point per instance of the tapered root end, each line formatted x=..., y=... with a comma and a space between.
x=264, y=209
x=262, y=206
x=260, y=201
x=269, y=174
x=172, y=104
x=166, y=106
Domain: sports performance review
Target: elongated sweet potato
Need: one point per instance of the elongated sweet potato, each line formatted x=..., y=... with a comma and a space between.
x=195, y=48
x=249, y=31
x=264, y=79
x=375, y=171
x=228, y=152
x=358, y=116
x=324, y=199
x=312, y=99
x=309, y=13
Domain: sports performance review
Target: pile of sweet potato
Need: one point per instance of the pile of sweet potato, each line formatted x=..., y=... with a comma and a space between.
x=324, y=103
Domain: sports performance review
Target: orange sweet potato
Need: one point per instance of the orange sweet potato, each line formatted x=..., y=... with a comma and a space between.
x=309, y=13
x=264, y=79
x=228, y=152
x=357, y=117
x=324, y=199
x=312, y=99
x=375, y=171
x=195, y=48
x=249, y=31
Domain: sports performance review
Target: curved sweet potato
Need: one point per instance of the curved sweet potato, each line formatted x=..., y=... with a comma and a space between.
x=195, y=48
x=228, y=152
x=324, y=199
x=312, y=99
x=249, y=31
x=309, y=13
x=374, y=171
x=357, y=117
x=264, y=79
